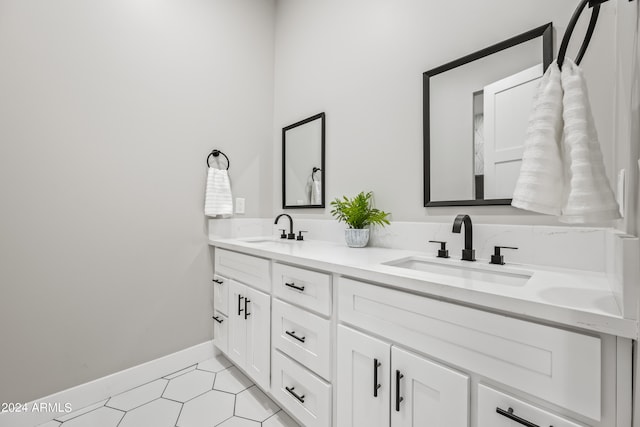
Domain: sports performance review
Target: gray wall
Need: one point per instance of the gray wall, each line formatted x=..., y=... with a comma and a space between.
x=362, y=61
x=107, y=112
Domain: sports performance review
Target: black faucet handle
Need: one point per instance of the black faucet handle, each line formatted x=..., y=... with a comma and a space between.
x=300, y=236
x=496, y=258
x=442, y=252
x=282, y=235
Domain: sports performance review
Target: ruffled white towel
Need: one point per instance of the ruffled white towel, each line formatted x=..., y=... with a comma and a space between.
x=541, y=181
x=316, y=193
x=218, y=199
x=562, y=170
x=589, y=195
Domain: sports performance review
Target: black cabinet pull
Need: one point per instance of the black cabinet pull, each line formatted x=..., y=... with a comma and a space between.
x=398, y=397
x=246, y=311
x=219, y=282
x=292, y=334
x=509, y=414
x=376, y=386
x=293, y=285
x=294, y=394
x=240, y=310
x=218, y=320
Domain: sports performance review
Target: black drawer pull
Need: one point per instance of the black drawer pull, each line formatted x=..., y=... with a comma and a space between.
x=219, y=282
x=292, y=334
x=240, y=310
x=246, y=310
x=294, y=394
x=218, y=320
x=398, y=397
x=509, y=414
x=293, y=285
x=376, y=386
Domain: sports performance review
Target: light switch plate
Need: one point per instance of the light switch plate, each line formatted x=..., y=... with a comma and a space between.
x=239, y=205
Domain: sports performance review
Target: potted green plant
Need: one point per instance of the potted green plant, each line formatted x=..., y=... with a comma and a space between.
x=358, y=213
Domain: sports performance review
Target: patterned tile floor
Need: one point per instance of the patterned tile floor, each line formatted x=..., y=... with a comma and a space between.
x=211, y=393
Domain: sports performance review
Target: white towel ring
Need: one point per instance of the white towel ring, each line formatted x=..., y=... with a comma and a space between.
x=216, y=153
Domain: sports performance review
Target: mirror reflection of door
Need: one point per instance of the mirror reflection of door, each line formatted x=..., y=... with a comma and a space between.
x=507, y=104
x=303, y=163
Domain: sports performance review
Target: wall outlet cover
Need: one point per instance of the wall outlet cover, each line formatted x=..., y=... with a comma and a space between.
x=620, y=191
x=239, y=205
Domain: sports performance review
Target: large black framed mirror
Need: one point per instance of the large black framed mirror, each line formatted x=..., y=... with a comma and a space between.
x=475, y=114
x=303, y=168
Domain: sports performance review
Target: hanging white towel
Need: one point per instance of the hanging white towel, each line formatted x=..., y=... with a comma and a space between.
x=589, y=197
x=218, y=199
x=540, y=185
x=316, y=192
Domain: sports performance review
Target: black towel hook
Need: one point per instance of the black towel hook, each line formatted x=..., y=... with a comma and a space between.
x=216, y=153
x=595, y=10
x=313, y=173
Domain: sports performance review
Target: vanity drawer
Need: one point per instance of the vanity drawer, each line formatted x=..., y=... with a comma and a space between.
x=303, y=336
x=247, y=269
x=220, y=331
x=306, y=288
x=221, y=294
x=556, y=365
x=491, y=401
x=311, y=403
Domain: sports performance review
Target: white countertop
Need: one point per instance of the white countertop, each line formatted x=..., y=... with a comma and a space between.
x=573, y=298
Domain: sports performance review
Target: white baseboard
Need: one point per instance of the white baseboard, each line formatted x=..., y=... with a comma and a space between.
x=102, y=388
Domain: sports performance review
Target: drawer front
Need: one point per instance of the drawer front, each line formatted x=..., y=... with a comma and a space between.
x=556, y=365
x=221, y=294
x=491, y=401
x=306, y=288
x=247, y=269
x=299, y=391
x=221, y=331
x=303, y=336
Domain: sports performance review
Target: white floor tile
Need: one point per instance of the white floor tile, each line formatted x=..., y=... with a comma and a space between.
x=281, y=419
x=138, y=396
x=159, y=413
x=189, y=385
x=51, y=424
x=239, y=422
x=80, y=411
x=180, y=372
x=101, y=417
x=231, y=380
x=255, y=405
x=215, y=364
x=207, y=410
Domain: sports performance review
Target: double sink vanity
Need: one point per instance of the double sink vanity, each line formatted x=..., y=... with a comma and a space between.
x=389, y=337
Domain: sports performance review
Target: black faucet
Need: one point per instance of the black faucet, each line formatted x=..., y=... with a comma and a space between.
x=291, y=234
x=468, y=253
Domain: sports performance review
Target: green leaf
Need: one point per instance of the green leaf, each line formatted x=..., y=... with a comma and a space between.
x=358, y=211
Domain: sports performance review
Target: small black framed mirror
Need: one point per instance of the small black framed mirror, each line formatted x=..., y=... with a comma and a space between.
x=303, y=165
x=475, y=114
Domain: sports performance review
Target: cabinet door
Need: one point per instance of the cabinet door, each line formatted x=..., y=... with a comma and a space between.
x=257, y=316
x=363, y=380
x=221, y=331
x=427, y=394
x=237, y=332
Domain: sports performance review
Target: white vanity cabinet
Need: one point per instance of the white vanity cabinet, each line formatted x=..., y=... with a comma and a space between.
x=249, y=330
x=378, y=382
x=242, y=303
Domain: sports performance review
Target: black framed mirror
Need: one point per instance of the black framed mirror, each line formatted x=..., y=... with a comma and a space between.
x=303, y=168
x=475, y=114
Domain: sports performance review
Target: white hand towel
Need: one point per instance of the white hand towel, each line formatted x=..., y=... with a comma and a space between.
x=589, y=197
x=541, y=181
x=316, y=193
x=218, y=199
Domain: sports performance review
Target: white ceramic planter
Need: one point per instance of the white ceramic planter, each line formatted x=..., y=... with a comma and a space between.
x=356, y=238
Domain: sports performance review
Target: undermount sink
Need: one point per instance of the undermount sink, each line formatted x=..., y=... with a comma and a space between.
x=484, y=273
